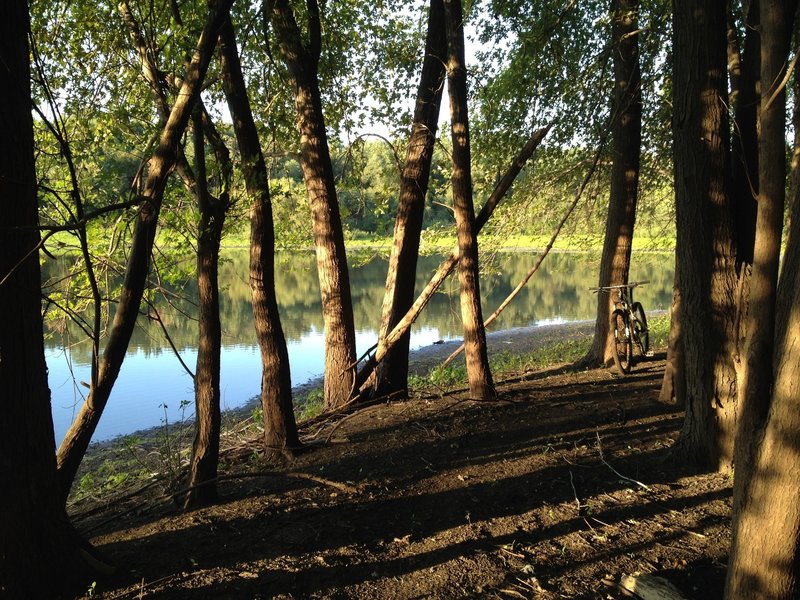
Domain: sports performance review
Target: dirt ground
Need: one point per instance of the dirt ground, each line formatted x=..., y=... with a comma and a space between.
x=555, y=491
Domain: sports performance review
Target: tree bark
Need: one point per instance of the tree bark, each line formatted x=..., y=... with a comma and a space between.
x=302, y=61
x=627, y=140
x=280, y=428
x=481, y=386
x=705, y=252
x=160, y=165
x=756, y=376
x=392, y=374
x=765, y=544
x=205, y=449
x=745, y=102
x=41, y=556
x=673, y=386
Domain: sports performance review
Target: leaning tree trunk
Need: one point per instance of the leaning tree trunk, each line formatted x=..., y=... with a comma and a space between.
x=481, y=386
x=40, y=553
x=705, y=253
x=765, y=545
x=392, y=374
x=160, y=165
x=302, y=61
x=626, y=135
x=280, y=429
x=446, y=267
x=205, y=449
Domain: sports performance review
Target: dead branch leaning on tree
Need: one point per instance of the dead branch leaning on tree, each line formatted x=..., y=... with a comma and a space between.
x=545, y=252
x=448, y=265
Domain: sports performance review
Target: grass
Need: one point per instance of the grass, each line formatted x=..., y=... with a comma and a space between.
x=506, y=364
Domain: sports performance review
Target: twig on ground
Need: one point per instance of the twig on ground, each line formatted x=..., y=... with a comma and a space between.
x=575, y=492
x=617, y=473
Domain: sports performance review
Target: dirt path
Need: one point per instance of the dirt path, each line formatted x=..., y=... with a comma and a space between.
x=555, y=491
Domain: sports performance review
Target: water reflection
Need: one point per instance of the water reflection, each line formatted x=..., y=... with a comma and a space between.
x=153, y=388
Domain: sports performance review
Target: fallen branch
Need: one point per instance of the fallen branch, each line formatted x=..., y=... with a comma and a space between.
x=617, y=473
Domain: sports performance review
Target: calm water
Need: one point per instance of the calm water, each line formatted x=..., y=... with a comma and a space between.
x=153, y=387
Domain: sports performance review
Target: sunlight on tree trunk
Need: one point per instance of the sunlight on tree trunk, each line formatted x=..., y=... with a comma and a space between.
x=705, y=252
x=481, y=386
x=280, y=429
x=334, y=280
x=765, y=544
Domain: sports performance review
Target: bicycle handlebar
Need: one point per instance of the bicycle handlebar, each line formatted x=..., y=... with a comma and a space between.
x=608, y=288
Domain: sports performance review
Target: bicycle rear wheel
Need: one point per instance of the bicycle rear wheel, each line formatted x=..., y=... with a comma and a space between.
x=640, y=333
x=623, y=345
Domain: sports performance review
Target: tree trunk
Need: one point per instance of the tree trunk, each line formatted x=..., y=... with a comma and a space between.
x=627, y=137
x=765, y=548
x=765, y=545
x=744, y=141
x=40, y=553
x=392, y=375
x=756, y=378
x=280, y=429
x=205, y=450
x=705, y=253
x=160, y=165
x=673, y=386
x=315, y=161
x=481, y=386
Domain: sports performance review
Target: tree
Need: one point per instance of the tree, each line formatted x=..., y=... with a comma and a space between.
x=40, y=553
x=205, y=449
x=280, y=429
x=705, y=250
x=302, y=60
x=626, y=134
x=481, y=386
x=765, y=545
x=392, y=375
x=160, y=165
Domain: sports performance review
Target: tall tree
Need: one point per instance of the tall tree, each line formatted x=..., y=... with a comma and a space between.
x=765, y=546
x=481, y=386
x=626, y=134
x=41, y=556
x=302, y=60
x=705, y=251
x=756, y=377
x=392, y=374
x=160, y=165
x=280, y=429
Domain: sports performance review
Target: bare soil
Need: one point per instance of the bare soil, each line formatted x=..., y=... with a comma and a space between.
x=555, y=491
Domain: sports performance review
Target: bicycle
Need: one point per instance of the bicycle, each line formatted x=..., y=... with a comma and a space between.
x=628, y=325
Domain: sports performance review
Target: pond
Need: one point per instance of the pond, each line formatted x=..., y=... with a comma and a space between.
x=153, y=388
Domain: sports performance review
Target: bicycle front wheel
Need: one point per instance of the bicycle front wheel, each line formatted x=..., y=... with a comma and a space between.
x=623, y=344
x=640, y=333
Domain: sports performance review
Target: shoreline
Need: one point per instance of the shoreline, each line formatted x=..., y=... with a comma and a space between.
x=517, y=340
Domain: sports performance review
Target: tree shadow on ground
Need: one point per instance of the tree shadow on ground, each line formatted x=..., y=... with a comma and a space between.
x=566, y=481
